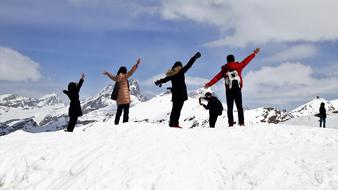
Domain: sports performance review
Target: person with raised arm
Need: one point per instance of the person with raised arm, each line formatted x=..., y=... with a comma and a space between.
x=75, y=110
x=232, y=73
x=121, y=91
x=178, y=89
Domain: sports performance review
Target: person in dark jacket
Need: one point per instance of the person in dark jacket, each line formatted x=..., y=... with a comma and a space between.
x=179, y=88
x=214, y=106
x=322, y=115
x=75, y=107
x=232, y=73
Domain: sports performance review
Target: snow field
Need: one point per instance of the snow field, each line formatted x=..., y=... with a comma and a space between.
x=153, y=156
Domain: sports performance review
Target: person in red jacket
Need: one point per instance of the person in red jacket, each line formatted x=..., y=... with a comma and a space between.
x=232, y=73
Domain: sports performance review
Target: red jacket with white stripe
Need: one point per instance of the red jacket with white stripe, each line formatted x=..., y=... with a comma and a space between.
x=238, y=66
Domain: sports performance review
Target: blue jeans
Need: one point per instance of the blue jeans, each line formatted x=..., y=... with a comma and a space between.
x=322, y=121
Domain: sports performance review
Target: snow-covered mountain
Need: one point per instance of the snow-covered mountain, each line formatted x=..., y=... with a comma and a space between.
x=312, y=107
x=102, y=99
x=51, y=115
x=16, y=101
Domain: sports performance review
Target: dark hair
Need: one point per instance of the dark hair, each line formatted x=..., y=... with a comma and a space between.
x=322, y=104
x=230, y=58
x=177, y=64
x=71, y=86
x=208, y=94
x=122, y=70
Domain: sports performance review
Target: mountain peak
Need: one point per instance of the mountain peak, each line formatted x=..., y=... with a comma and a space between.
x=312, y=107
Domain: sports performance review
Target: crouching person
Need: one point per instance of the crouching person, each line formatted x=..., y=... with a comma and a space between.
x=214, y=106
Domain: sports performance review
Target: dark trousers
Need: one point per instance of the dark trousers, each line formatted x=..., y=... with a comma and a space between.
x=125, y=109
x=212, y=120
x=175, y=113
x=71, y=124
x=322, y=122
x=235, y=95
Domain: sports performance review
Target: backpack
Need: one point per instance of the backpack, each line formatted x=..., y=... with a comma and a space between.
x=219, y=107
x=115, y=92
x=232, y=78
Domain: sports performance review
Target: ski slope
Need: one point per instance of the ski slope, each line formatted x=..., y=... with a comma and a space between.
x=145, y=156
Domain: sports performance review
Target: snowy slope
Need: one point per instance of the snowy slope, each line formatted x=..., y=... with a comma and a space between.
x=311, y=108
x=334, y=103
x=152, y=156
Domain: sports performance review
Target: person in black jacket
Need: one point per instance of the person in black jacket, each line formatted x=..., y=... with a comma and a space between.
x=322, y=115
x=214, y=106
x=75, y=107
x=179, y=88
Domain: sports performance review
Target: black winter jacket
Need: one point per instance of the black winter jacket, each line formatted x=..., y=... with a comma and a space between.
x=322, y=112
x=73, y=95
x=214, y=106
x=179, y=88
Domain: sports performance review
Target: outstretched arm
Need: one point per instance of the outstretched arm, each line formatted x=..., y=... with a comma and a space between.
x=191, y=62
x=109, y=75
x=79, y=85
x=161, y=81
x=66, y=92
x=247, y=60
x=133, y=69
x=214, y=80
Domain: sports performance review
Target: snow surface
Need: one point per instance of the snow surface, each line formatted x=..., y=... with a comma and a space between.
x=152, y=156
x=335, y=103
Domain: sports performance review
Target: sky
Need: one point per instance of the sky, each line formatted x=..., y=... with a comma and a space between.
x=46, y=44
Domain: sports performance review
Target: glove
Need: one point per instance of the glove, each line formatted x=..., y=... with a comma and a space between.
x=158, y=83
x=197, y=55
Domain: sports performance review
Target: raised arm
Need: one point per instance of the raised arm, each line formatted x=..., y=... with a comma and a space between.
x=134, y=68
x=109, y=75
x=247, y=60
x=79, y=84
x=191, y=62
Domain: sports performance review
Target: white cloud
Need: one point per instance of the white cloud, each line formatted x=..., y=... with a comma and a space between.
x=294, y=53
x=242, y=22
x=287, y=83
x=17, y=67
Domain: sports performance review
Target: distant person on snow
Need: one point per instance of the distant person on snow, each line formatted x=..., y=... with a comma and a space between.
x=232, y=73
x=121, y=91
x=75, y=107
x=322, y=115
x=179, y=88
x=214, y=106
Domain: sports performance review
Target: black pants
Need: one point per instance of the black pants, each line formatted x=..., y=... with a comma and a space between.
x=125, y=109
x=235, y=95
x=71, y=124
x=175, y=113
x=212, y=120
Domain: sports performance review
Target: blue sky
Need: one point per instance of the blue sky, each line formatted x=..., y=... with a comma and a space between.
x=46, y=44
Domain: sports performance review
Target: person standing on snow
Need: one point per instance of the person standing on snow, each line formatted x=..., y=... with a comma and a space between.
x=232, y=73
x=75, y=107
x=322, y=115
x=179, y=88
x=214, y=106
x=123, y=99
